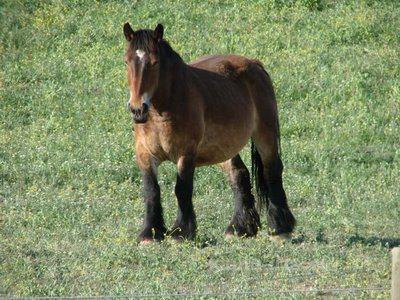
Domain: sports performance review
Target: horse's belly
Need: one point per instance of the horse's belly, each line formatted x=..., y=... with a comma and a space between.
x=222, y=142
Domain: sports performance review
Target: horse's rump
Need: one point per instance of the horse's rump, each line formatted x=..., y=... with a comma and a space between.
x=227, y=87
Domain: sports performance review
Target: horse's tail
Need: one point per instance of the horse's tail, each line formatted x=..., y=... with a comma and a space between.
x=278, y=131
x=257, y=172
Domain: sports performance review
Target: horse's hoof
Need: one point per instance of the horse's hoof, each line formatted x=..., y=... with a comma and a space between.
x=151, y=234
x=241, y=231
x=181, y=233
x=281, y=238
x=180, y=238
x=229, y=236
x=244, y=223
x=146, y=242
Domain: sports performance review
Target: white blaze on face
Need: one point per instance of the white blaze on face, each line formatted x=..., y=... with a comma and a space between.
x=140, y=53
x=146, y=98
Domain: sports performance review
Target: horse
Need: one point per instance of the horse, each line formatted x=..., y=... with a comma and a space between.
x=200, y=114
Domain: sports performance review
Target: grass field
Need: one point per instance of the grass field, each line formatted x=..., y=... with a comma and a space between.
x=70, y=197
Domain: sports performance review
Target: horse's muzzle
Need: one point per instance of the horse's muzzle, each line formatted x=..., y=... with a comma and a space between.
x=140, y=115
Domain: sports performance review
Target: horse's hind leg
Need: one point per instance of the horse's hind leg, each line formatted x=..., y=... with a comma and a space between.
x=245, y=221
x=267, y=162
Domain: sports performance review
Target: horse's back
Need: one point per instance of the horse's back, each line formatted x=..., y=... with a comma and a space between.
x=228, y=65
x=229, y=112
x=245, y=79
x=246, y=74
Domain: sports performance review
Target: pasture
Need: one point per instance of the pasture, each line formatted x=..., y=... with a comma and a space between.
x=70, y=191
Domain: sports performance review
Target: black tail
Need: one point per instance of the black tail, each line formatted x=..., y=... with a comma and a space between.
x=257, y=172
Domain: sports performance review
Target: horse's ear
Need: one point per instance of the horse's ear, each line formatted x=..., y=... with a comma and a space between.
x=159, y=32
x=128, y=31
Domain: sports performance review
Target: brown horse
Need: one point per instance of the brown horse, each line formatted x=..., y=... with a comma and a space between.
x=200, y=114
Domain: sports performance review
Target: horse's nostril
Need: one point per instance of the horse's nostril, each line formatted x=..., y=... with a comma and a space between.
x=145, y=108
x=137, y=112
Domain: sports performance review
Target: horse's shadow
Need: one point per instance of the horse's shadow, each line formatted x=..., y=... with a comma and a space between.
x=320, y=238
x=386, y=242
x=354, y=239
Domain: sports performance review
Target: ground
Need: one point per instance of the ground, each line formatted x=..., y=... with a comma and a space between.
x=70, y=204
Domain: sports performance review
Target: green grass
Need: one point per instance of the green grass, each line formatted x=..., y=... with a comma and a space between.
x=70, y=205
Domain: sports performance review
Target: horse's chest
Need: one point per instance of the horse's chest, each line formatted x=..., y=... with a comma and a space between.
x=162, y=142
x=168, y=143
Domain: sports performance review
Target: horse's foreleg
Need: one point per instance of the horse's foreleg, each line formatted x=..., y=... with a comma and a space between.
x=185, y=224
x=245, y=221
x=153, y=225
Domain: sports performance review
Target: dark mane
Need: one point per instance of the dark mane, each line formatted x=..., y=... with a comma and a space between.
x=144, y=39
x=169, y=53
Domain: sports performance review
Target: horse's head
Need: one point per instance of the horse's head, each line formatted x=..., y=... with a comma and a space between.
x=142, y=61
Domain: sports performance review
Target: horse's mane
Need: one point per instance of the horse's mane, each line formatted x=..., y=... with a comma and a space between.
x=144, y=40
x=170, y=53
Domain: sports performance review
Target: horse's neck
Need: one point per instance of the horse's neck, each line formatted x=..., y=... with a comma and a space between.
x=172, y=88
